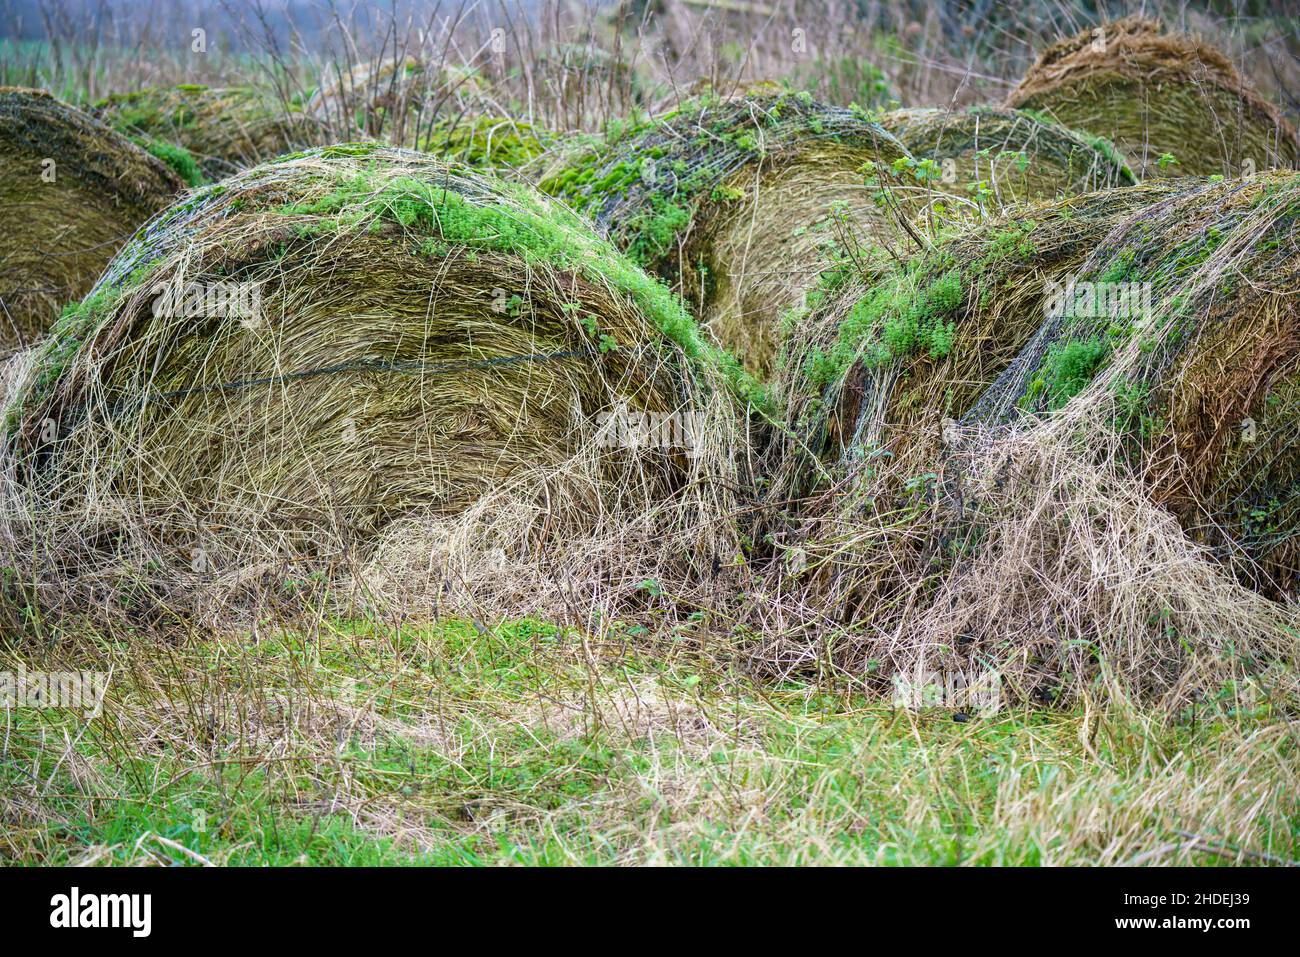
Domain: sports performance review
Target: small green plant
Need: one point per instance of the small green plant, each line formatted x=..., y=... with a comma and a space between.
x=897, y=318
x=1066, y=371
x=924, y=170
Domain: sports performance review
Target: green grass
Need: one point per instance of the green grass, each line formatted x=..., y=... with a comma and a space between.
x=528, y=743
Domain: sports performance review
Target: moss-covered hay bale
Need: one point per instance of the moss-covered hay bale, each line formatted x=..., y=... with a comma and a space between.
x=1174, y=302
x=71, y=193
x=1171, y=103
x=221, y=130
x=994, y=158
x=320, y=345
x=734, y=203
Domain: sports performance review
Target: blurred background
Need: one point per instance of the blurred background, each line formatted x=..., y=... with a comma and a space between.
x=580, y=63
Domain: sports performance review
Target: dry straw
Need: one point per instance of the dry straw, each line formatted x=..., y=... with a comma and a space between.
x=1018, y=480
x=580, y=86
x=1159, y=96
x=419, y=336
x=71, y=193
x=398, y=99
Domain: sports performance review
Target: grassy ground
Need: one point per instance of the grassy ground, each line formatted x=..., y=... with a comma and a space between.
x=524, y=743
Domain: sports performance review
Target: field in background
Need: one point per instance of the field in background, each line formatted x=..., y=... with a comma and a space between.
x=616, y=52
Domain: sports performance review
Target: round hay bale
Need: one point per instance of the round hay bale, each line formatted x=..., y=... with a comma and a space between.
x=1174, y=301
x=224, y=130
x=71, y=193
x=1171, y=104
x=1202, y=359
x=883, y=352
x=320, y=345
x=734, y=203
x=995, y=158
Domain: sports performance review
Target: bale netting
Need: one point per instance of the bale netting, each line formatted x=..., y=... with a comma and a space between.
x=994, y=158
x=71, y=193
x=287, y=362
x=208, y=133
x=1061, y=449
x=734, y=203
x=1172, y=104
